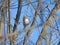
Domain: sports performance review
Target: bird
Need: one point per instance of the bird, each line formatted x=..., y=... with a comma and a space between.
x=25, y=21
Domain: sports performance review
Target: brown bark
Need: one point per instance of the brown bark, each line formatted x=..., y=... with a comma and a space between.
x=50, y=18
x=17, y=15
x=33, y=22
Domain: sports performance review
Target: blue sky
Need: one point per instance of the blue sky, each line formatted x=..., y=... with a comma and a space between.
x=27, y=11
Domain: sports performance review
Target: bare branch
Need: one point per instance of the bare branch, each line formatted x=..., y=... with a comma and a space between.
x=28, y=33
x=18, y=14
x=50, y=18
